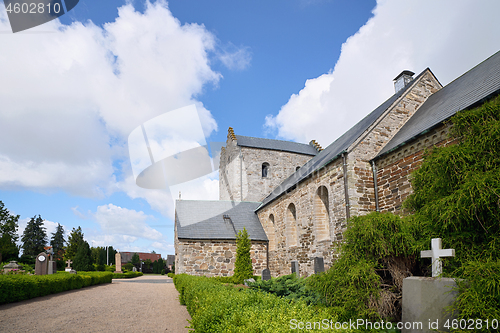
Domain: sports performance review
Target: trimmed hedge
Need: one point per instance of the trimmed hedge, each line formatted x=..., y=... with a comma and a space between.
x=14, y=288
x=215, y=307
x=127, y=275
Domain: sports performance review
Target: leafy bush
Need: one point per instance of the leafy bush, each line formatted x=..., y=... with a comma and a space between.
x=170, y=275
x=215, y=307
x=291, y=287
x=243, y=266
x=128, y=266
x=127, y=275
x=162, y=272
x=479, y=288
x=15, y=288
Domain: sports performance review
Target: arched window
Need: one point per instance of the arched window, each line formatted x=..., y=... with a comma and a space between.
x=291, y=226
x=271, y=234
x=265, y=169
x=321, y=214
x=297, y=168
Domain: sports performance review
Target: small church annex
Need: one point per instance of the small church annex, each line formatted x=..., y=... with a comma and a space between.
x=295, y=199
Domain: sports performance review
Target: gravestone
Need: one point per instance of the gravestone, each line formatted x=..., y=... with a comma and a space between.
x=425, y=298
x=68, y=269
x=51, y=265
x=118, y=262
x=295, y=268
x=134, y=269
x=436, y=253
x=42, y=264
x=319, y=265
x=266, y=274
x=247, y=281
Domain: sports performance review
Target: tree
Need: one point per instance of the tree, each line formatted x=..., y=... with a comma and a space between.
x=8, y=235
x=57, y=242
x=34, y=237
x=83, y=258
x=243, y=266
x=136, y=261
x=75, y=238
x=111, y=257
x=457, y=188
x=148, y=263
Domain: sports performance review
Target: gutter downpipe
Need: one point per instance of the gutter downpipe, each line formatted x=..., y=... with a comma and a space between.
x=346, y=190
x=241, y=176
x=374, y=169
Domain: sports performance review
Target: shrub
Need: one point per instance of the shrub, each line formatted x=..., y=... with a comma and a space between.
x=243, y=265
x=289, y=286
x=15, y=288
x=162, y=272
x=215, y=307
x=170, y=275
x=127, y=275
x=128, y=266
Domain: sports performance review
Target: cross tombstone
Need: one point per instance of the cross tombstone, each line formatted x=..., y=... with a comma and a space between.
x=68, y=269
x=295, y=267
x=266, y=274
x=436, y=253
x=319, y=265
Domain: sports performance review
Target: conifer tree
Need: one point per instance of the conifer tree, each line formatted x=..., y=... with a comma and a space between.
x=57, y=242
x=75, y=238
x=243, y=265
x=34, y=237
x=83, y=258
x=8, y=235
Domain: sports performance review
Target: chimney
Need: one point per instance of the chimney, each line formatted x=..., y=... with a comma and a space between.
x=403, y=79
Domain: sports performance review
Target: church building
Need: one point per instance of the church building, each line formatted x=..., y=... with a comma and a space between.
x=295, y=199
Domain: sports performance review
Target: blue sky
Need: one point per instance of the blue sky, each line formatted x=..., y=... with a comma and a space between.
x=73, y=89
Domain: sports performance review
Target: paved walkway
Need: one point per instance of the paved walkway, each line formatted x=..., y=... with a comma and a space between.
x=142, y=304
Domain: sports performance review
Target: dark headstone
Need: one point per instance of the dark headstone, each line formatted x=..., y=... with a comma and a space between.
x=295, y=267
x=42, y=264
x=319, y=265
x=266, y=274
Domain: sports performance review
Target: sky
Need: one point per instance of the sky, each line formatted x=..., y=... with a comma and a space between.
x=78, y=93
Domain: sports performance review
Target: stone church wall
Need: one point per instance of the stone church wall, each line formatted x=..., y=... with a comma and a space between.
x=215, y=257
x=310, y=238
x=360, y=191
x=393, y=169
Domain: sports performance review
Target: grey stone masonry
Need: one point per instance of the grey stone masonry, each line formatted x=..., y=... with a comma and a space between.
x=240, y=171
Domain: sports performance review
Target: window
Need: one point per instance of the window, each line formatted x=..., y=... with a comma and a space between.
x=297, y=168
x=271, y=235
x=265, y=169
x=291, y=226
x=321, y=214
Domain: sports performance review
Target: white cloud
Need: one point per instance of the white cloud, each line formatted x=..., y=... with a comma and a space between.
x=115, y=220
x=70, y=98
x=448, y=36
x=235, y=58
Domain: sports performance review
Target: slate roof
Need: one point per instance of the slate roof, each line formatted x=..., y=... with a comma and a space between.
x=196, y=219
x=289, y=146
x=474, y=86
x=335, y=150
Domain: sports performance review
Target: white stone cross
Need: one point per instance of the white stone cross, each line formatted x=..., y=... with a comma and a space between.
x=69, y=262
x=436, y=253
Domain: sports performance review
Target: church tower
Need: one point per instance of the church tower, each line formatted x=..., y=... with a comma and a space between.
x=251, y=168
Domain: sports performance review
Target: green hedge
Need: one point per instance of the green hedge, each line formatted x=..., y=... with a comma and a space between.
x=127, y=275
x=215, y=307
x=15, y=288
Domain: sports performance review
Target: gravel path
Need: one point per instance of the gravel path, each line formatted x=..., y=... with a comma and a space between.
x=142, y=304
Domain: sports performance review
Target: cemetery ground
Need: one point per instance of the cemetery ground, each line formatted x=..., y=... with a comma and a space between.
x=147, y=303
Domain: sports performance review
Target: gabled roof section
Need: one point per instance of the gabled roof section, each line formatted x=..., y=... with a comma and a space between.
x=474, y=86
x=339, y=146
x=196, y=219
x=288, y=146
